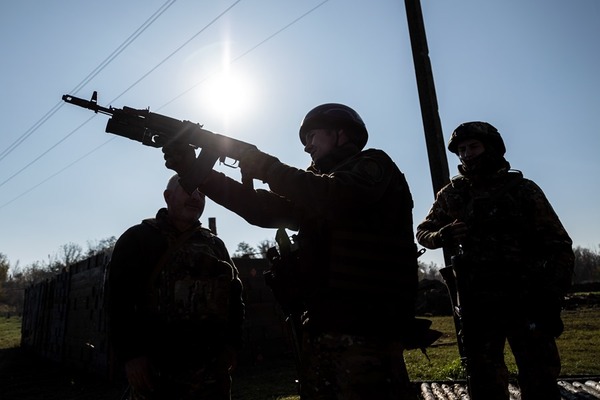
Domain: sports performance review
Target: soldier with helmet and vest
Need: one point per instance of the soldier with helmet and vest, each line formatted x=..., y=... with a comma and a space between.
x=356, y=260
x=513, y=262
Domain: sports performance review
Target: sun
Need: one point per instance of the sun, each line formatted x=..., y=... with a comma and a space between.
x=228, y=94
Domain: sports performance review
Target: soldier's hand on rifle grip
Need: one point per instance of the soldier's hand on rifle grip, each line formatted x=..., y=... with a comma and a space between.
x=179, y=157
x=254, y=164
x=453, y=233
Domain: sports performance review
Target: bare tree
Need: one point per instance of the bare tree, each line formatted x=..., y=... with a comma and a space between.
x=244, y=250
x=4, y=266
x=264, y=246
x=587, y=265
x=69, y=254
x=100, y=246
x=19, y=279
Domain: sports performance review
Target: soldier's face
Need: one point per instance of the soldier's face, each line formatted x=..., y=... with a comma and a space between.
x=469, y=150
x=184, y=207
x=321, y=142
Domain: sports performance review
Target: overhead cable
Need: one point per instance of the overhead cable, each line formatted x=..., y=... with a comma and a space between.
x=88, y=78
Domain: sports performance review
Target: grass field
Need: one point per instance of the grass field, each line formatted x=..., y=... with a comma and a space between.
x=579, y=347
x=10, y=332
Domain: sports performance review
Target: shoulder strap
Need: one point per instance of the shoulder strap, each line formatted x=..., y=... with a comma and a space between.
x=517, y=177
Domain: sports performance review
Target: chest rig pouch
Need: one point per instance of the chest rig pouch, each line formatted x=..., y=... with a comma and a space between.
x=190, y=285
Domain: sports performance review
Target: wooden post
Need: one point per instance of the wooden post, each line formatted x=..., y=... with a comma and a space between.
x=436, y=150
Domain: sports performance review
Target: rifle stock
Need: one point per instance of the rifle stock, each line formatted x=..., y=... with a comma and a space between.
x=449, y=275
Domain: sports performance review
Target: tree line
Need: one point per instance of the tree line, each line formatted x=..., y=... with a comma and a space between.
x=587, y=262
x=14, y=278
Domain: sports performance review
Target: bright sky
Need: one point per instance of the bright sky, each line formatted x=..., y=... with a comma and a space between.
x=528, y=67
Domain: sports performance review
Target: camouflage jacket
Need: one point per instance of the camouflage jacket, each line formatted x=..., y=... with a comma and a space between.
x=358, y=265
x=516, y=242
x=172, y=293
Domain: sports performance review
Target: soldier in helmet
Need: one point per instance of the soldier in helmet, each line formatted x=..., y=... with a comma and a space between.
x=356, y=261
x=513, y=264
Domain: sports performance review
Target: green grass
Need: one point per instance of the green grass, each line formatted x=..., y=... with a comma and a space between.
x=579, y=347
x=10, y=332
x=444, y=361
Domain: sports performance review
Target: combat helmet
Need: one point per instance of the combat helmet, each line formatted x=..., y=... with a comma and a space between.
x=479, y=130
x=334, y=115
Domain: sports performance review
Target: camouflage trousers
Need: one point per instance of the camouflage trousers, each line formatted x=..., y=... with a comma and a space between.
x=348, y=367
x=536, y=356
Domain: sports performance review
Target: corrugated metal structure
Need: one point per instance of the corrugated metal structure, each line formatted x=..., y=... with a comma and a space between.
x=64, y=318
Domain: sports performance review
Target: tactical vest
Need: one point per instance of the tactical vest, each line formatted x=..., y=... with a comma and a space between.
x=498, y=258
x=190, y=285
x=372, y=264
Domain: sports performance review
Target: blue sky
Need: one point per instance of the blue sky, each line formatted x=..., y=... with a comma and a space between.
x=528, y=67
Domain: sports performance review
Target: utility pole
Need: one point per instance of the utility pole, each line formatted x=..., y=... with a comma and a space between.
x=436, y=149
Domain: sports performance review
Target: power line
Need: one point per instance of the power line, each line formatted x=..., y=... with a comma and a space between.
x=98, y=69
x=125, y=44
x=57, y=173
x=144, y=76
x=88, y=78
x=246, y=52
x=30, y=131
x=47, y=151
x=176, y=50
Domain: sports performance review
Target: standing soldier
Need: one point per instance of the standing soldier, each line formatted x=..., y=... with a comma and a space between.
x=357, y=259
x=175, y=304
x=513, y=264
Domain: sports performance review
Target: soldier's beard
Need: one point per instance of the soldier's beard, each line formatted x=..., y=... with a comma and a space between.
x=337, y=155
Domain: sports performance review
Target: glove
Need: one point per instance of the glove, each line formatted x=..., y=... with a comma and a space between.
x=453, y=233
x=179, y=157
x=254, y=164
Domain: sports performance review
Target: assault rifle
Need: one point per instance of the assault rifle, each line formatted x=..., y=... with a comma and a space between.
x=450, y=273
x=156, y=130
